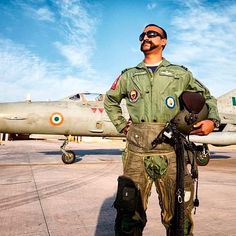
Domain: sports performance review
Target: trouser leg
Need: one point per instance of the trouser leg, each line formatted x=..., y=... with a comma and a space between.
x=165, y=187
x=132, y=221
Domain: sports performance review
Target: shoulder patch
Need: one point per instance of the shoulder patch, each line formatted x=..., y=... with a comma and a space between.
x=115, y=83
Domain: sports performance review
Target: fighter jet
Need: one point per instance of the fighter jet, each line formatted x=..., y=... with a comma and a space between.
x=81, y=115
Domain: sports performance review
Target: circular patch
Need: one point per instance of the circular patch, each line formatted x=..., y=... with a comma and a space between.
x=56, y=119
x=133, y=95
x=170, y=102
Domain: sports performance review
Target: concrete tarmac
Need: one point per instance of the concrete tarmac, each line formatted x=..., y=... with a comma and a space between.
x=41, y=196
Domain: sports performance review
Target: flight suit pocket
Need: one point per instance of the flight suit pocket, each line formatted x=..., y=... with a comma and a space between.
x=156, y=165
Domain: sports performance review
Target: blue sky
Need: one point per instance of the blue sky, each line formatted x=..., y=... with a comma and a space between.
x=54, y=48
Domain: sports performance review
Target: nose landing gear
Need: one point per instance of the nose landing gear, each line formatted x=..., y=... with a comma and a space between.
x=68, y=156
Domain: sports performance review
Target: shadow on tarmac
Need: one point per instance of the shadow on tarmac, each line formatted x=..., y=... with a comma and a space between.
x=218, y=155
x=106, y=218
x=84, y=152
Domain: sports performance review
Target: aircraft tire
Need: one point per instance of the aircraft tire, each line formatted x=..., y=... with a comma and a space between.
x=202, y=159
x=69, y=157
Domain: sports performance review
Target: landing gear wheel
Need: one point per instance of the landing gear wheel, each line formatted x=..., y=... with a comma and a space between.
x=68, y=157
x=202, y=159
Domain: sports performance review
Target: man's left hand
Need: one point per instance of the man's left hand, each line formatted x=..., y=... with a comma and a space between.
x=203, y=127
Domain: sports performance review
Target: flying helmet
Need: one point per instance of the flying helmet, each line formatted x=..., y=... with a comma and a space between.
x=193, y=109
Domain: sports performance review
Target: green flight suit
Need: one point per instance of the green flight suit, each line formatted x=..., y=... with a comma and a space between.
x=152, y=100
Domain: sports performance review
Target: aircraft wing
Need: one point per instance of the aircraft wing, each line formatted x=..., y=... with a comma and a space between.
x=215, y=138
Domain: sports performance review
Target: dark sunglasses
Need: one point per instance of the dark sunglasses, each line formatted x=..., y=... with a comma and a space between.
x=150, y=34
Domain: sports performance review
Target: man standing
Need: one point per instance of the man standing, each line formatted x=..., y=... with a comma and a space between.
x=152, y=90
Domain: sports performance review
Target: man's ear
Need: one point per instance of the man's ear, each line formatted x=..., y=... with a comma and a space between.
x=164, y=42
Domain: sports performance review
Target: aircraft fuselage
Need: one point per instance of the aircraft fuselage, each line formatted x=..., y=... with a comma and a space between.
x=56, y=117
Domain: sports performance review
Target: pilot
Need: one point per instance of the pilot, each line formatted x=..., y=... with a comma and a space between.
x=152, y=90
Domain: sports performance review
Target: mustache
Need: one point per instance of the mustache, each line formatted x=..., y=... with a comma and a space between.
x=147, y=41
x=151, y=47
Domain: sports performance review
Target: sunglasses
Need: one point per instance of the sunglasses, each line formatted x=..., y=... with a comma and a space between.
x=150, y=34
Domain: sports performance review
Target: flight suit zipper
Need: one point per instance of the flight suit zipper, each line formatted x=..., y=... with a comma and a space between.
x=150, y=73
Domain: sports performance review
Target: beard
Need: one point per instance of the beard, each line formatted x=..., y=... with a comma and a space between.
x=152, y=46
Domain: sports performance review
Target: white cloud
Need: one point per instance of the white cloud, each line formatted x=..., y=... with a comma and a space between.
x=151, y=6
x=79, y=29
x=24, y=73
x=44, y=14
x=75, y=24
x=76, y=19
x=76, y=56
x=204, y=40
x=37, y=13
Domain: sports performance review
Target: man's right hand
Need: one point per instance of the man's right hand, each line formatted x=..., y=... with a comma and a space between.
x=203, y=127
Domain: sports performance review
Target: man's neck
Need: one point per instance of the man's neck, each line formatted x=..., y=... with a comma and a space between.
x=152, y=59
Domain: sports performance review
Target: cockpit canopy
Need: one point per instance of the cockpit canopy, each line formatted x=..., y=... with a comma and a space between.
x=86, y=97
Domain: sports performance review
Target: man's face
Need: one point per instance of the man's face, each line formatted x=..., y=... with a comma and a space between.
x=151, y=39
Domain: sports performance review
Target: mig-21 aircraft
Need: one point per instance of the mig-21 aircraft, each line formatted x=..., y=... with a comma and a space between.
x=81, y=115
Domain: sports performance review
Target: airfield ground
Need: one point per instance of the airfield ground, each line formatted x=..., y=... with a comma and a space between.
x=41, y=196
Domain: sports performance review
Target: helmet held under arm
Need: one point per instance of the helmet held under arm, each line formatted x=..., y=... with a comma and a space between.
x=193, y=110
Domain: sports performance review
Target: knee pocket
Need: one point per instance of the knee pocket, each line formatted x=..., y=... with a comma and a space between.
x=128, y=203
x=127, y=195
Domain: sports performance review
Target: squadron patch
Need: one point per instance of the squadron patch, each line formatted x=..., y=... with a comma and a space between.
x=56, y=119
x=133, y=95
x=170, y=102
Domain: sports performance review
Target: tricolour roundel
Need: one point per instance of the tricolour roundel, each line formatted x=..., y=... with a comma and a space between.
x=170, y=102
x=56, y=119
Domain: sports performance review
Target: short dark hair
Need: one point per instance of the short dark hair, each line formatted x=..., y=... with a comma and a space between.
x=164, y=32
